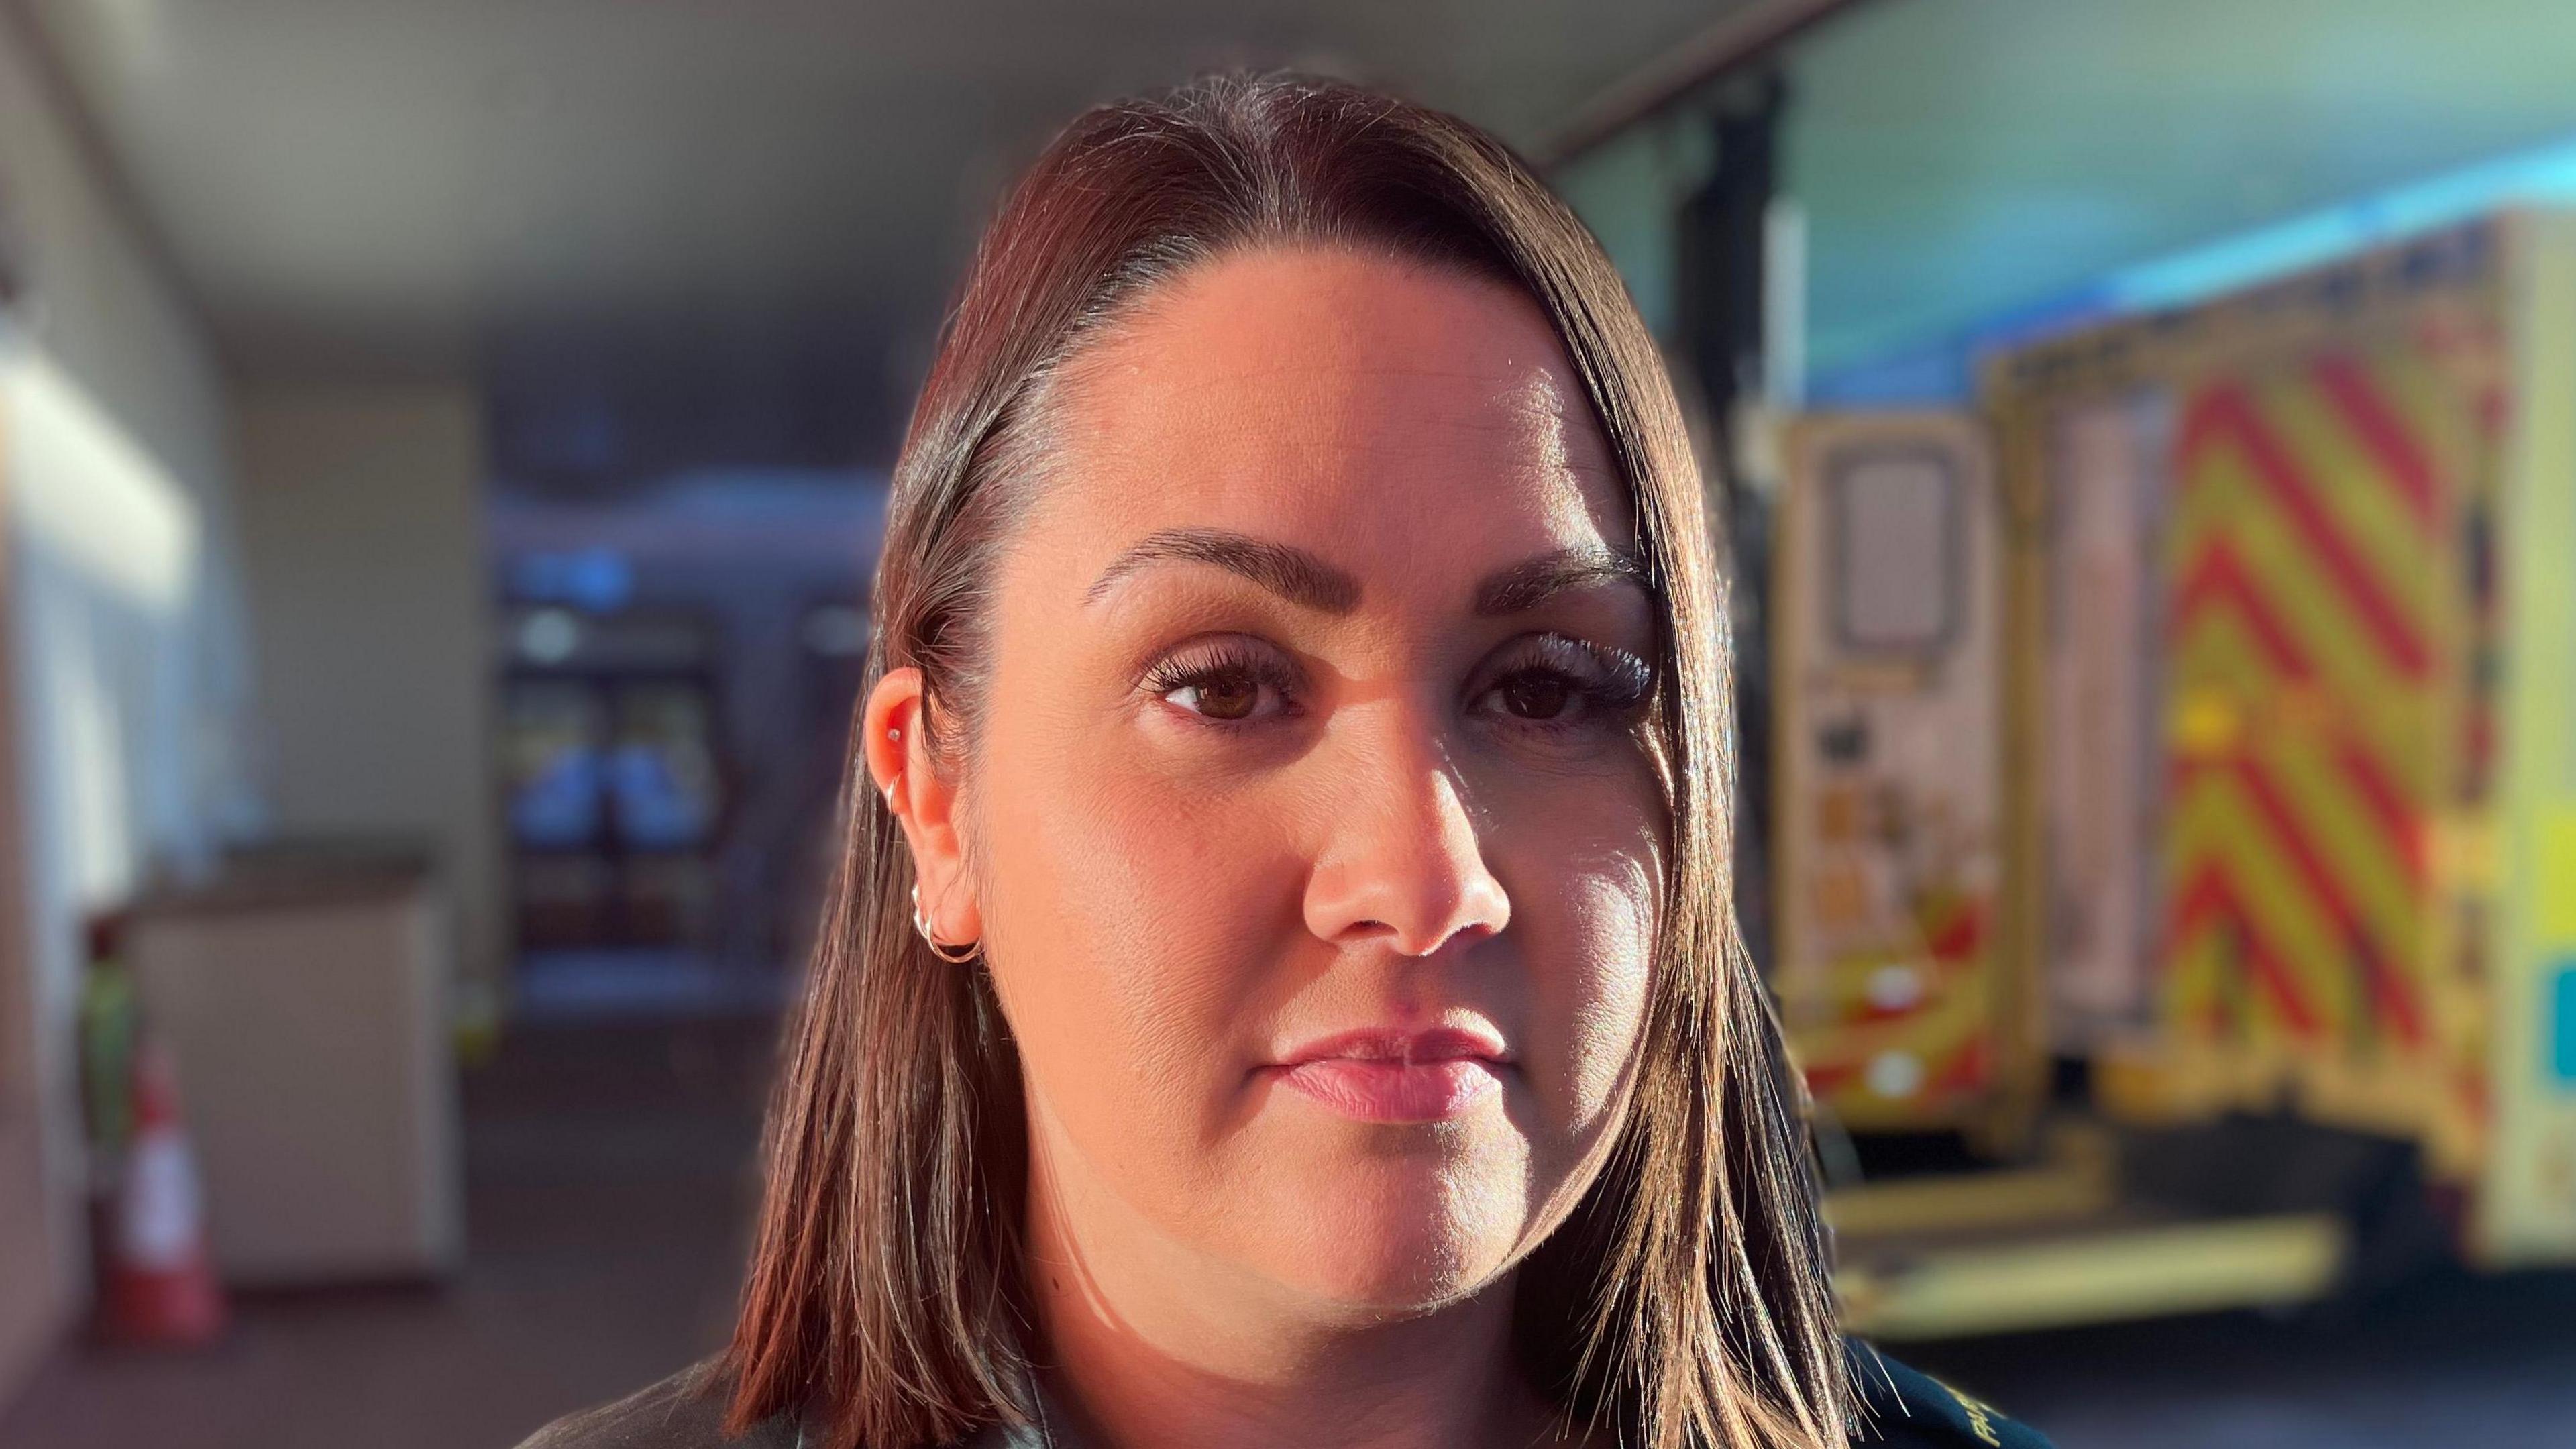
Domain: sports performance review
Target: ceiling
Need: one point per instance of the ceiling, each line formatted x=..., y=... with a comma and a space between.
x=1956, y=161
x=771, y=196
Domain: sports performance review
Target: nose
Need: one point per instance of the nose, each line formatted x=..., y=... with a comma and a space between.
x=1401, y=860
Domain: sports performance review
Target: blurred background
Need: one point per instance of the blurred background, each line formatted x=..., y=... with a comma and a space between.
x=443, y=447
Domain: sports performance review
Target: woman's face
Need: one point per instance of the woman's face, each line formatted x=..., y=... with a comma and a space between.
x=1320, y=846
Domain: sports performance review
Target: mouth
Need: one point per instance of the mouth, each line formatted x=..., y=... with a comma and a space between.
x=1398, y=1076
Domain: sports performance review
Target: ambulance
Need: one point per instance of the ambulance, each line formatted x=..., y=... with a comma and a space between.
x=2174, y=798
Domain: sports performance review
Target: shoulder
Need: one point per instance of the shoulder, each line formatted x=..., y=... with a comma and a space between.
x=684, y=1411
x=1905, y=1407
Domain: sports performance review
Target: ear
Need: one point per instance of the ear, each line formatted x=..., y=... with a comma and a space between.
x=898, y=759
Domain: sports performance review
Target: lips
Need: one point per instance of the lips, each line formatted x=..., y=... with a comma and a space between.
x=1397, y=1076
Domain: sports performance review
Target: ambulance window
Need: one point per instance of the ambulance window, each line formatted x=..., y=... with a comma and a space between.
x=1899, y=546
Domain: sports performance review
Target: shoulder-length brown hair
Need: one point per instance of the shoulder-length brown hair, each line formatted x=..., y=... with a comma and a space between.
x=1685, y=1303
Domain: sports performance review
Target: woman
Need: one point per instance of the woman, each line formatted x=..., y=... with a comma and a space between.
x=1280, y=986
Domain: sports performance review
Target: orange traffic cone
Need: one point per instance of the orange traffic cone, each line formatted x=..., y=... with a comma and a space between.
x=159, y=1285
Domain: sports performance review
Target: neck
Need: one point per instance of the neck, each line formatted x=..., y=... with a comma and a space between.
x=1151, y=1346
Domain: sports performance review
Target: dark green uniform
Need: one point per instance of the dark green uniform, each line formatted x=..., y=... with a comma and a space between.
x=1901, y=1409
x=1907, y=1408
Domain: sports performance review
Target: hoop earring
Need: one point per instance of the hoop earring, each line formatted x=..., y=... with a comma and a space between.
x=973, y=948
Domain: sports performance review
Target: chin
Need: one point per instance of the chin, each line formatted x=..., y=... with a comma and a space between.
x=1392, y=1284
x=1412, y=1244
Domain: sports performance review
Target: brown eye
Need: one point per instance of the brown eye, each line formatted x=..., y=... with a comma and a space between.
x=1223, y=696
x=1565, y=687
x=1537, y=694
x=1223, y=688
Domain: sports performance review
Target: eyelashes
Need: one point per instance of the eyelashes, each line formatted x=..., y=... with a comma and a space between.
x=1564, y=685
x=1225, y=673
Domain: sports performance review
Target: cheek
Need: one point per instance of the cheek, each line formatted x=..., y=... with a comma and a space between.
x=1128, y=925
x=1592, y=949
x=1582, y=854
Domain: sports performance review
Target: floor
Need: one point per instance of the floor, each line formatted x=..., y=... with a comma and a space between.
x=609, y=1172
x=609, y=1177
x=2449, y=1360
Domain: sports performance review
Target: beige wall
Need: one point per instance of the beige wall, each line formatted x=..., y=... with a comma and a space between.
x=105, y=318
x=362, y=536
x=39, y=1197
x=338, y=525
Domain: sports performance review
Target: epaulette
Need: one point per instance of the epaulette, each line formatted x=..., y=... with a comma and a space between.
x=1904, y=1407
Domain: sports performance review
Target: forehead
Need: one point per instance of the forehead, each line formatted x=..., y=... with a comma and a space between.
x=1340, y=401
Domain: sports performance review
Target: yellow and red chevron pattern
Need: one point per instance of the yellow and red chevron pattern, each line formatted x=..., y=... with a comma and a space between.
x=2317, y=704
x=1901, y=1036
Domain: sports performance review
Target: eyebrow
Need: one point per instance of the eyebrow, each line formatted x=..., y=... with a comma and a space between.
x=1308, y=581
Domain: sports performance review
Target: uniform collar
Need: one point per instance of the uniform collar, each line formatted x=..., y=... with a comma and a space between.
x=1052, y=1431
